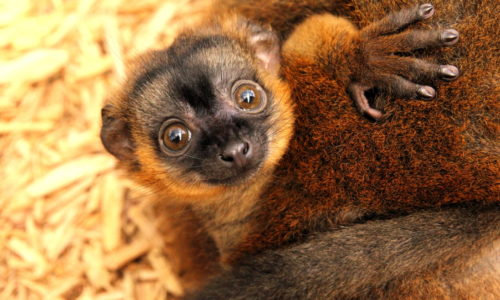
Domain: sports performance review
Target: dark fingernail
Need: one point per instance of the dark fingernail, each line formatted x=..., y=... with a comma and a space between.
x=448, y=72
x=426, y=11
x=449, y=36
x=426, y=92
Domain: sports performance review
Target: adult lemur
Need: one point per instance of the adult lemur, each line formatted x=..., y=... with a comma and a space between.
x=251, y=143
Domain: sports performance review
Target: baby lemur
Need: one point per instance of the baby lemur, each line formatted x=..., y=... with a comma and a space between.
x=247, y=137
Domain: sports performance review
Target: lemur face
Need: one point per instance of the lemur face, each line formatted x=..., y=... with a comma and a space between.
x=203, y=112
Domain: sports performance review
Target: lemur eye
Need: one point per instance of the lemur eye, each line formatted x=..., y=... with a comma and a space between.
x=174, y=137
x=249, y=96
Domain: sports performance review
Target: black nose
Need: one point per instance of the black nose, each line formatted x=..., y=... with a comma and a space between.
x=236, y=153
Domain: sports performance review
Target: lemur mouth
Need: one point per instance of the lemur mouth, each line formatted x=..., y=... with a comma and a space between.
x=243, y=175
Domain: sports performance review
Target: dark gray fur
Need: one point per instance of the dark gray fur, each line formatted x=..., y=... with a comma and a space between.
x=374, y=260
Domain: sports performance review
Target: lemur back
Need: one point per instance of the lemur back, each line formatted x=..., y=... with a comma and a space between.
x=340, y=167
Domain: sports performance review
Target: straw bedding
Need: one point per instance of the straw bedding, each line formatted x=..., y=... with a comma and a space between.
x=71, y=225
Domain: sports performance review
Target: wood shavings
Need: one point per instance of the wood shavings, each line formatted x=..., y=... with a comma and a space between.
x=111, y=206
x=10, y=10
x=122, y=256
x=71, y=227
x=151, y=31
x=30, y=255
x=167, y=277
x=70, y=172
x=33, y=66
x=8, y=127
x=95, y=267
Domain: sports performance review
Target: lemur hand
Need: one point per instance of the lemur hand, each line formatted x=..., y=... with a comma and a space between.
x=377, y=64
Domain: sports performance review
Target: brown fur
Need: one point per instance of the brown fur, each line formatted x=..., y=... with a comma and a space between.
x=339, y=167
x=447, y=254
x=426, y=154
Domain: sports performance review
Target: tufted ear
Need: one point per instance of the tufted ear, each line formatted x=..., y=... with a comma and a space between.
x=116, y=136
x=266, y=47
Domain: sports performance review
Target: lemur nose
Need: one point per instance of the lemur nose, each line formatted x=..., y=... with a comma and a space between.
x=236, y=153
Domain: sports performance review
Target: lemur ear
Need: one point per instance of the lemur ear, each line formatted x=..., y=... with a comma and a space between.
x=116, y=136
x=266, y=47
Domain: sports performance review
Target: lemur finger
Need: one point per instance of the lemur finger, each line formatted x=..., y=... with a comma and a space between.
x=402, y=88
x=414, y=69
x=397, y=20
x=416, y=39
x=448, y=72
x=357, y=93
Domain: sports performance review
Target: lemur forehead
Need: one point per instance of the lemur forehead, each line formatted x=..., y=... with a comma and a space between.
x=194, y=72
x=186, y=50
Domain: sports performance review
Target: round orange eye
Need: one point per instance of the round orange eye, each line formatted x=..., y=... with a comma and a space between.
x=176, y=136
x=249, y=96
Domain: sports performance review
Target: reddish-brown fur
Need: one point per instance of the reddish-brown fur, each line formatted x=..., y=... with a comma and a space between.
x=340, y=167
x=425, y=154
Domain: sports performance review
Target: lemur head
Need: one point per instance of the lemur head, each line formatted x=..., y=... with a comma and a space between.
x=208, y=114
